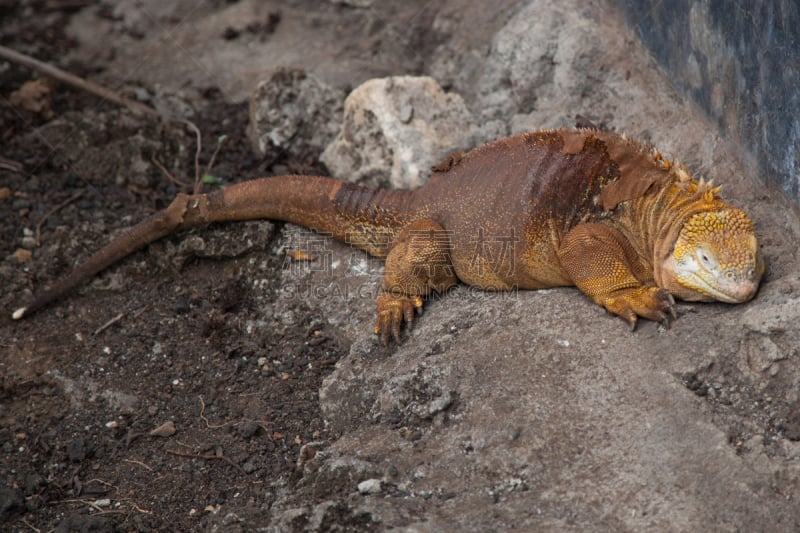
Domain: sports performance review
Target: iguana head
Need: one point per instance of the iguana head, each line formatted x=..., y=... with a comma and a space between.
x=715, y=257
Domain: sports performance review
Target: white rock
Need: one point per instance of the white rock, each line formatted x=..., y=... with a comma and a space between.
x=397, y=128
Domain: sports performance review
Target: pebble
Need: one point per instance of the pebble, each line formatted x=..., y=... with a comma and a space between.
x=20, y=203
x=29, y=242
x=247, y=429
x=23, y=254
x=76, y=450
x=181, y=305
x=167, y=429
x=370, y=486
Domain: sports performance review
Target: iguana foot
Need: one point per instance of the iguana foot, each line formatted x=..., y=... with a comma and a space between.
x=417, y=264
x=653, y=303
x=393, y=309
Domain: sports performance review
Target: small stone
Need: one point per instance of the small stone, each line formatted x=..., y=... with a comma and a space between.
x=5, y=192
x=320, y=514
x=167, y=429
x=247, y=429
x=20, y=203
x=181, y=305
x=230, y=519
x=23, y=255
x=370, y=486
x=76, y=450
x=440, y=404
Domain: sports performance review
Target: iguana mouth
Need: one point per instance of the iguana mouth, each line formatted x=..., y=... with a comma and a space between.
x=742, y=292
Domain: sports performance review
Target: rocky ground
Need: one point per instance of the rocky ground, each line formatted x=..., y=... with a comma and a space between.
x=211, y=383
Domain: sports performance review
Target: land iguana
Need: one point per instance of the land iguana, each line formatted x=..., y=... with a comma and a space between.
x=550, y=208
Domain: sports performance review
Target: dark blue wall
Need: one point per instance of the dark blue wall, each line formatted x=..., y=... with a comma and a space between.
x=740, y=60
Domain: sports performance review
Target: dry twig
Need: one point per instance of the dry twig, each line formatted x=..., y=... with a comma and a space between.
x=207, y=456
x=133, y=461
x=108, y=324
x=198, y=178
x=174, y=179
x=11, y=165
x=30, y=525
x=75, y=81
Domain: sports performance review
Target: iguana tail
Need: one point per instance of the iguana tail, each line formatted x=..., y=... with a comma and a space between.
x=366, y=218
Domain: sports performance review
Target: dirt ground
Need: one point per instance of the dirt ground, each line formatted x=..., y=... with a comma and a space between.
x=242, y=409
x=176, y=392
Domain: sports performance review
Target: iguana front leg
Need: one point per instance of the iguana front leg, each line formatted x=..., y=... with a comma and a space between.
x=418, y=263
x=605, y=267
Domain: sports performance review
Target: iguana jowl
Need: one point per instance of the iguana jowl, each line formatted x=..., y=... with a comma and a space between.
x=543, y=209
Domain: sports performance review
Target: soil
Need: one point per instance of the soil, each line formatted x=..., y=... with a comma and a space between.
x=69, y=438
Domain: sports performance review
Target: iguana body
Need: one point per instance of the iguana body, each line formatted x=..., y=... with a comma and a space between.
x=544, y=209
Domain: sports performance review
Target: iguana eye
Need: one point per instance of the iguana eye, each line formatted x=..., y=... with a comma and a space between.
x=706, y=259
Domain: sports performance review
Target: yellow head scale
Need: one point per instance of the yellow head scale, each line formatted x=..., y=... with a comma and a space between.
x=716, y=257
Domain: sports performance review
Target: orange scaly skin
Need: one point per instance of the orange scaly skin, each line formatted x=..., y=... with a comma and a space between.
x=544, y=209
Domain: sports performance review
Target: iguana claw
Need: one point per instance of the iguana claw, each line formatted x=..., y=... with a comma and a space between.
x=392, y=311
x=654, y=303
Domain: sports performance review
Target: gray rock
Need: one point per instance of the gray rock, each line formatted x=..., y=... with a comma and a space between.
x=776, y=309
x=216, y=242
x=294, y=112
x=319, y=514
x=122, y=402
